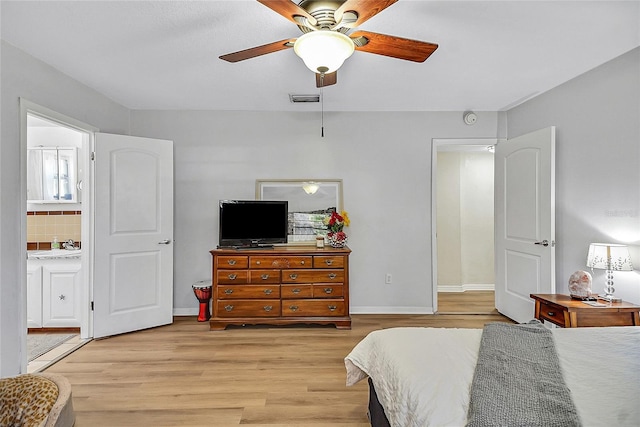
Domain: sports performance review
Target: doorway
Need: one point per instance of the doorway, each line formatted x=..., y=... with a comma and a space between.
x=57, y=214
x=463, y=238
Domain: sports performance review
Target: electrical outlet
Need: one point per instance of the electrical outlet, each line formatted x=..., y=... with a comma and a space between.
x=387, y=278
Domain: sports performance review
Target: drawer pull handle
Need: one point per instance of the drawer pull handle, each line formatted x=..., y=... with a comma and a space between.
x=551, y=313
x=328, y=261
x=268, y=291
x=328, y=290
x=302, y=262
x=232, y=262
x=332, y=307
x=233, y=276
x=62, y=297
x=228, y=291
x=293, y=276
x=228, y=307
x=293, y=307
x=257, y=262
x=264, y=276
x=296, y=290
x=268, y=308
x=332, y=276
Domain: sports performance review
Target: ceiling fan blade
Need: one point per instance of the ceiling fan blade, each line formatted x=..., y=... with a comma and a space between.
x=328, y=79
x=366, y=9
x=289, y=10
x=258, y=50
x=395, y=47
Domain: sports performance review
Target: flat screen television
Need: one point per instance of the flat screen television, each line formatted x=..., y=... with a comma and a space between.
x=253, y=223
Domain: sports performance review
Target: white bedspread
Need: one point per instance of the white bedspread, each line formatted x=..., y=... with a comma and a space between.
x=422, y=376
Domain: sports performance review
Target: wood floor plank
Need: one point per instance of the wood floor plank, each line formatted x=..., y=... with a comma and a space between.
x=185, y=375
x=469, y=302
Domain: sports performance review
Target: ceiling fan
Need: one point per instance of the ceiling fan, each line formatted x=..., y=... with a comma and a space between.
x=327, y=40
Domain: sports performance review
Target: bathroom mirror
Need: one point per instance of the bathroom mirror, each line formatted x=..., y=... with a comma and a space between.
x=51, y=175
x=310, y=201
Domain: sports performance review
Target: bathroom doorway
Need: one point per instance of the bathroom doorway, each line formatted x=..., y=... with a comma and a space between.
x=57, y=233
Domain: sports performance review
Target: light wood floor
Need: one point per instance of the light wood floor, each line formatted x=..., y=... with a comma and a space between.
x=184, y=375
x=469, y=302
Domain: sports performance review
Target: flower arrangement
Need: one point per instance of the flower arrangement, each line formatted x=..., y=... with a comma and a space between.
x=335, y=224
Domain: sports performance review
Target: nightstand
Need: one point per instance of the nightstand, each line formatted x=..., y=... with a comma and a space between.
x=567, y=312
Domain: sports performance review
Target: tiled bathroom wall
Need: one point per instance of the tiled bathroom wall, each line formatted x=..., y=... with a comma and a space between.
x=43, y=226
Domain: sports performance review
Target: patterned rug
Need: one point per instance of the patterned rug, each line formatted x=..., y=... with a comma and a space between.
x=39, y=344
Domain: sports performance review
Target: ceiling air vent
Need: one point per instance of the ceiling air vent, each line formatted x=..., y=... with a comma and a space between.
x=304, y=98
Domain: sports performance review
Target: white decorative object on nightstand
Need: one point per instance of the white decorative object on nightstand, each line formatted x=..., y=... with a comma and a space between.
x=580, y=285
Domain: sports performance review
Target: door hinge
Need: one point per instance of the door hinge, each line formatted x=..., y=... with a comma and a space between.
x=91, y=305
x=93, y=155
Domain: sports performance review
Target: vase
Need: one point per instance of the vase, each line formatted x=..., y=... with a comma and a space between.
x=336, y=240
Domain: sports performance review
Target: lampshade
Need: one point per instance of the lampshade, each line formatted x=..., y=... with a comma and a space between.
x=608, y=256
x=310, y=187
x=323, y=50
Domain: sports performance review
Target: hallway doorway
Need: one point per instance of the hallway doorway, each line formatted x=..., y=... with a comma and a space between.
x=462, y=215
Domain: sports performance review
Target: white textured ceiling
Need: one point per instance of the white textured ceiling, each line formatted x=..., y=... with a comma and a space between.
x=164, y=54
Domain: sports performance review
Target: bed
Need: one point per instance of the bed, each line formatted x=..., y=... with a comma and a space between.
x=427, y=376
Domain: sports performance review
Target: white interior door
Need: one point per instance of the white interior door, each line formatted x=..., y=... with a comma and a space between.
x=525, y=221
x=133, y=243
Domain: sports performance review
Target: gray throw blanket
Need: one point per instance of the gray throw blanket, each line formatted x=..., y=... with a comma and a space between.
x=518, y=380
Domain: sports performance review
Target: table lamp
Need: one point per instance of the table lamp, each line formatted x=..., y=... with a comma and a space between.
x=609, y=257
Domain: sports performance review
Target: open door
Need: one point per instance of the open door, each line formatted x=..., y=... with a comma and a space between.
x=133, y=242
x=525, y=221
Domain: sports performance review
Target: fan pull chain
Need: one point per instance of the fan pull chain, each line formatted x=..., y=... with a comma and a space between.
x=322, y=104
x=322, y=70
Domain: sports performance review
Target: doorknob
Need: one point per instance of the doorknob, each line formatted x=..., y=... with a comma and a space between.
x=164, y=242
x=544, y=243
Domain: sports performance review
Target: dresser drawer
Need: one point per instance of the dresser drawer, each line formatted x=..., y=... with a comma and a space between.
x=233, y=276
x=313, y=307
x=248, y=308
x=282, y=262
x=313, y=276
x=296, y=291
x=328, y=262
x=232, y=261
x=264, y=276
x=328, y=290
x=552, y=313
x=248, y=291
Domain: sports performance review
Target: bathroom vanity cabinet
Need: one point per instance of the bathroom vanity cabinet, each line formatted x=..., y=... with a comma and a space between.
x=53, y=290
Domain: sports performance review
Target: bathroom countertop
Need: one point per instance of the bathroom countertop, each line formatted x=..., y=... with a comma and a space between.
x=55, y=254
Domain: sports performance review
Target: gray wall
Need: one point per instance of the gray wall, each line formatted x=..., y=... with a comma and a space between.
x=384, y=160
x=22, y=76
x=597, y=116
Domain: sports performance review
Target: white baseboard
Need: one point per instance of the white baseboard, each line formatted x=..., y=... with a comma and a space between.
x=354, y=310
x=391, y=310
x=467, y=287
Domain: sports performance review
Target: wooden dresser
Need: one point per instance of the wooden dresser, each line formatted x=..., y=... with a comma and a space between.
x=280, y=286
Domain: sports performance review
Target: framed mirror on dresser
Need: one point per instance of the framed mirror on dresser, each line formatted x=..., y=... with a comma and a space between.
x=310, y=201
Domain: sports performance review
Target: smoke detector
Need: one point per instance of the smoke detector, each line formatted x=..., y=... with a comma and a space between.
x=469, y=118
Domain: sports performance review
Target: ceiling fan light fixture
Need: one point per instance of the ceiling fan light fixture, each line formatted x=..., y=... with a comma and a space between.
x=323, y=50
